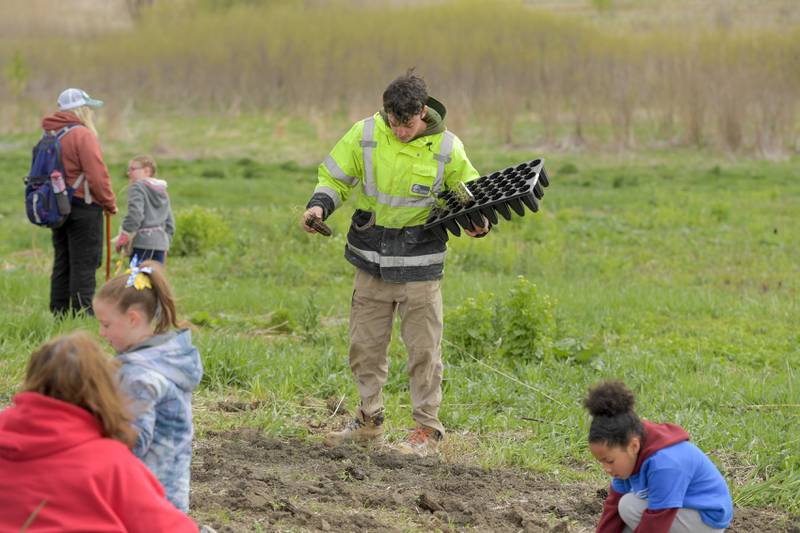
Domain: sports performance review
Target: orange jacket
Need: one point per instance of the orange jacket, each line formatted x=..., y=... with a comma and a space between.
x=80, y=153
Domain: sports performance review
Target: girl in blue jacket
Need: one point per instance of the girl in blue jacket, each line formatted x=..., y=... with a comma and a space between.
x=159, y=369
x=661, y=481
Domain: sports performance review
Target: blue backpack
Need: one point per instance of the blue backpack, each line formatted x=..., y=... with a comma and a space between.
x=47, y=197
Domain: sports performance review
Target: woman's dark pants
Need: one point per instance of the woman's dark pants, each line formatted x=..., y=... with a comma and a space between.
x=78, y=247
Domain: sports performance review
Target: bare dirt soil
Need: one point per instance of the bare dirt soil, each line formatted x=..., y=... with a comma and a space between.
x=245, y=481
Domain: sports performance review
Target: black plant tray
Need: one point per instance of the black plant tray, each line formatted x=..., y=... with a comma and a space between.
x=505, y=191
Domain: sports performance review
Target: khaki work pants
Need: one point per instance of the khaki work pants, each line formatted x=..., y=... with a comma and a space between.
x=419, y=304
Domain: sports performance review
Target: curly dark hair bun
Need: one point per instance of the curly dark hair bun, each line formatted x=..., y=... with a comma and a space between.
x=613, y=419
x=609, y=398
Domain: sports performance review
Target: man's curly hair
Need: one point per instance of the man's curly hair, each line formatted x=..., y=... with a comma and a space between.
x=405, y=96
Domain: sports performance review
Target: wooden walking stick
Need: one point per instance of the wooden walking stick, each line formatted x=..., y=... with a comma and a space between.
x=108, y=245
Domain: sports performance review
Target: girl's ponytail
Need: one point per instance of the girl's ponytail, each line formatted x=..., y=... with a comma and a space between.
x=164, y=314
x=145, y=285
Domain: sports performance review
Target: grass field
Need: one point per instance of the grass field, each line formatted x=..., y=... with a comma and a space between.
x=721, y=76
x=674, y=271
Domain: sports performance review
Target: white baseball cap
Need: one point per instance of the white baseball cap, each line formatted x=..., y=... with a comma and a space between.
x=72, y=98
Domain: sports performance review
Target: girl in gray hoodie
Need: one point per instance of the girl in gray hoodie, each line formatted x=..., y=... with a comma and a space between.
x=149, y=225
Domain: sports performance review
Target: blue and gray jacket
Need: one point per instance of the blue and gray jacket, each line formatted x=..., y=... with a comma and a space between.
x=159, y=376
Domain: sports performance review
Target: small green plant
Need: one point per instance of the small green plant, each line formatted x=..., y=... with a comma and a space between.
x=280, y=321
x=203, y=319
x=309, y=321
x=198, y=231
x=527, y=323
x=472, y=325
x=463, y=194
x=520, y=326
x=577, y=349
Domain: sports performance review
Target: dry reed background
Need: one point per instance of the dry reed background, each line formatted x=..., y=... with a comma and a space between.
x=596, y=81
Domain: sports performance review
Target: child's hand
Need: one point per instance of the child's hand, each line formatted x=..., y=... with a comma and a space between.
x=120, y=242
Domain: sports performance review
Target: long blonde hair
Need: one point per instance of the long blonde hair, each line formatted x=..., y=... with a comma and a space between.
x=74, y=368
x=86, y=115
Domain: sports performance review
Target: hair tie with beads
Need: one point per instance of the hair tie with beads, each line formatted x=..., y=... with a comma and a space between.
x=138, y=278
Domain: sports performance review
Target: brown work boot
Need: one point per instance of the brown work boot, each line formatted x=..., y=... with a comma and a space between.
x=361, y=429
x=421, y=441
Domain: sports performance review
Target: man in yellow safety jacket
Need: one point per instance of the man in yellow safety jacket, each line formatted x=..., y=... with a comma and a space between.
x=396, y=162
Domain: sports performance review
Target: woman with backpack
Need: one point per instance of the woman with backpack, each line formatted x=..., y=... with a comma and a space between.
x=78, y=242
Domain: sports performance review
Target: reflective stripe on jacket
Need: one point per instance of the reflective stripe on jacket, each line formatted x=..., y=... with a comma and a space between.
x=395, y=184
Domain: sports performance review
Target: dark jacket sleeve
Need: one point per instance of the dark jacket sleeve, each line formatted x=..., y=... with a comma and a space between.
x=610, y=521
x=324, y=202
x=657, y=521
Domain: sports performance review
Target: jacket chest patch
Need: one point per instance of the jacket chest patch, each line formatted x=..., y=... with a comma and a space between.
x=418, y=188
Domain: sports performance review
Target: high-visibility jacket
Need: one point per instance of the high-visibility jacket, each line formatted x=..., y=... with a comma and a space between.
x=395, y=184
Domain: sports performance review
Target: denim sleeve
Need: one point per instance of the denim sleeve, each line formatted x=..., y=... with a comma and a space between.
x=144, y=396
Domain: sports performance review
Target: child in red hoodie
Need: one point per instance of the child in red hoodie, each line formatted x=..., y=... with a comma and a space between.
x=65, y=459
x=662, y=482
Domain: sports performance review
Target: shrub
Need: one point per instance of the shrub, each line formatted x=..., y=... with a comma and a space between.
x=471, y=325
x=526, y=321
x=199, y=230
x=519, y=327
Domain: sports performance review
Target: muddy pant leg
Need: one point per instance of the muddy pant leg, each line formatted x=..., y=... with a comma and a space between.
x=371, y=317
x=85, y=236
x=59, y=279
x=631, y=509
x=421, y=327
